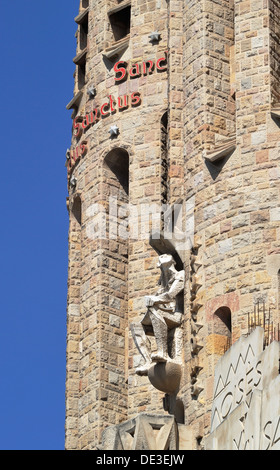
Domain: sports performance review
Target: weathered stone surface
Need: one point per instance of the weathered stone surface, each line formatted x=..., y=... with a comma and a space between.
x=147, y=432
x=246, y=404
x=215, y=94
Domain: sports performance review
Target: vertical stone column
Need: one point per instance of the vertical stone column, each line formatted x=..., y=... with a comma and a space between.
x=146, y=189
x=209, y=135
x=231, y=170
x=73, y=326
x=116, y=273
x=175, y=100
x=257, y=82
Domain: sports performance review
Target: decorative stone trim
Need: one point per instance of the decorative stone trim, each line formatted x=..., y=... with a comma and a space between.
x=117, y=48
x=221, y=150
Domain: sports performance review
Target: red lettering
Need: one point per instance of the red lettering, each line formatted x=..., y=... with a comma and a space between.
x=120, y=70
x=135, y=98
x=76, y=154
x=112, y=102
x=86, y=122
x=83, y=148
x=135, y=71
x=76, y=125
x=122, y=104
x=94, y=117
x=159, y=67
x=150, y=68
x=105, y=105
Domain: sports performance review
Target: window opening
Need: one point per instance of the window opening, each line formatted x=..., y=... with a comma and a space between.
x=80, y=59
x=118, y=162
x=120, y=23
x=81, y=75
x=222, y=325
x=84, y=33
x=77, y=210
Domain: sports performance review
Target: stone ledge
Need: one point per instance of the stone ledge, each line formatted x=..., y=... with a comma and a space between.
x=221, y=150
x=80, y=18
x=117, y=48
x=275, y=111
x=81, y=57
x=74, y=103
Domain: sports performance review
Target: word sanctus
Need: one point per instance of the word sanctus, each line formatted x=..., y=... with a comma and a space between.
x=123, y=71
x=82, y=123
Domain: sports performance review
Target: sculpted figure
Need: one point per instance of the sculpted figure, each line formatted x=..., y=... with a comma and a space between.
x=163, y=313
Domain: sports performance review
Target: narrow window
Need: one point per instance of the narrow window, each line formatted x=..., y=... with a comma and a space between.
x=232, y=72
x=164, y=160
x=120, y=23
x=118, y=162
x=80, y=59
x=77, y=210
x=84, y=33
x=115, y=174
x=222, y=325
x=81, y=75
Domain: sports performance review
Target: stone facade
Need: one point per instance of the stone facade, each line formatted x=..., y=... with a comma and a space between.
x=175, y=114
x=246, y=405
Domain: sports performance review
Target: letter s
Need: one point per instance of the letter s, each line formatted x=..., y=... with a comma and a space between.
x=121, y=70
x=266, y=433
x=78, y=128
x=135, y=98
x=259, y=372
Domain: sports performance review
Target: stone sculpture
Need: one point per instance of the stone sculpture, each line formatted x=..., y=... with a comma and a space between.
x=164, y=313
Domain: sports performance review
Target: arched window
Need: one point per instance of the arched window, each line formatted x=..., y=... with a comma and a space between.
x=114, y=192
x=77, y=210
x=117, y=161
x=222, y=324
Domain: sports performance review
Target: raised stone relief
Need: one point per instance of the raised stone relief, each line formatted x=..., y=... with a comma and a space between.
x=162, y=318
x=149, y=432
x=246, y=403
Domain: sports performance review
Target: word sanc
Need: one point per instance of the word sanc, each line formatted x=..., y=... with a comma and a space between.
x=123, y=71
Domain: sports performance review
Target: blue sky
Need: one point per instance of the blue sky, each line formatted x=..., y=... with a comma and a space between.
x=38, y=45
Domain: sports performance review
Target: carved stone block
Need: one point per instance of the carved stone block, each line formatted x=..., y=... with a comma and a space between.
x=147, y=432
x=246, y=405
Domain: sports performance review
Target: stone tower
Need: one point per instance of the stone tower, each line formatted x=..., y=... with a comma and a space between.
x=173, y=180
